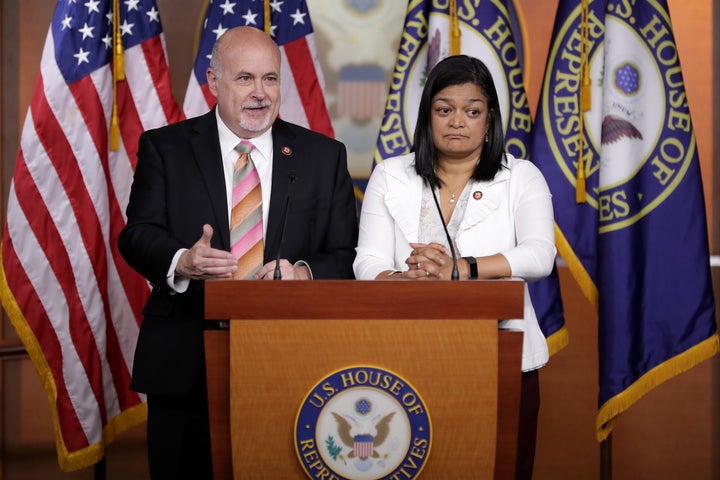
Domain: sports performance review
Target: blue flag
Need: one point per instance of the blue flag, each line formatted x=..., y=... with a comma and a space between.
x=632, y=223
x=486, y=32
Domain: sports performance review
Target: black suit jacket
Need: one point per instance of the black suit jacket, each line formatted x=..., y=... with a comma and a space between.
x=179, y=186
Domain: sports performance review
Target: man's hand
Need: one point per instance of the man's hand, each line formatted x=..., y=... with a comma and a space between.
x=202, y=262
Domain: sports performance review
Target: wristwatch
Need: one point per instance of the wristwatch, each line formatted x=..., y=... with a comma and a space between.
x=472, y=262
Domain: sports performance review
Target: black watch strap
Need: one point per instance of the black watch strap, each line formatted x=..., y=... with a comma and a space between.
x=472, y=262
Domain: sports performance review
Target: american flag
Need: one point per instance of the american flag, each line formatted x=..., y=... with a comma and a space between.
x=302, y=82
x=75, y=304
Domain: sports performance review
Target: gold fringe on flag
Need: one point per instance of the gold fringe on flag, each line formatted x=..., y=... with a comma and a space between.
x=118, y=74
x=585, y=100
x=90, y=454
x=670, y=368
x=558, y=340
x=454, y=29
x=267, y=17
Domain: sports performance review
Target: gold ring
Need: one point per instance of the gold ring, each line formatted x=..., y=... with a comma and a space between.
x=417, y=265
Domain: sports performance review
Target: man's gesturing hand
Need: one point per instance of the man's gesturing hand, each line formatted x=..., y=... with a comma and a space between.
x=203, y=262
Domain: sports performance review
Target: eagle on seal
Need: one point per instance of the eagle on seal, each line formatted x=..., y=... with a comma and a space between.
x=363, y=437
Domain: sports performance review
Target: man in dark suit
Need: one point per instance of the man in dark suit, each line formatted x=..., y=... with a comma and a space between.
x=178, y=232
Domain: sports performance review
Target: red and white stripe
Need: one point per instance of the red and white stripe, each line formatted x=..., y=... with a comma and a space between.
x=75, y=303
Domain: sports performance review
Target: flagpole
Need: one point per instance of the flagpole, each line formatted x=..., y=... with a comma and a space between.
x=99, y=469
x=606, y=458
x=580, y=187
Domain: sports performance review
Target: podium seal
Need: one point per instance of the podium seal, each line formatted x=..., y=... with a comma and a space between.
x=363, y=423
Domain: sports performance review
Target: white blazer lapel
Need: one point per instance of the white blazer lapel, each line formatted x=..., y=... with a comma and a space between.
x=485, y=198
x=403, y=198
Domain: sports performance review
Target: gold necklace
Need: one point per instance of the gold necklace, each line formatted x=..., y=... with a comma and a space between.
x=453, y=195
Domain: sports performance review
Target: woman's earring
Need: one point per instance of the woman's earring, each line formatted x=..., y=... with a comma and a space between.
x=487, y=137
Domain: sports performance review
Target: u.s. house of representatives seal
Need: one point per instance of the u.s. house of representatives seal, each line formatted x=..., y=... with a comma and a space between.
x=639, y=135
x=363, y=423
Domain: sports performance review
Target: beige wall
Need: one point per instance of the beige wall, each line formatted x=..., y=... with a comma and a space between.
x=671, y=433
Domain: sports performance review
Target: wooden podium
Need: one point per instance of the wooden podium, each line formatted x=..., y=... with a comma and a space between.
x=441, y=337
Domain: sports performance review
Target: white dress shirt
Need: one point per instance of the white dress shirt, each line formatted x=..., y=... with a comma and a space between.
x=261, y=154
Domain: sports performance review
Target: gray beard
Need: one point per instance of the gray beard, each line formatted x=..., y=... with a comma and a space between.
x=255, y=127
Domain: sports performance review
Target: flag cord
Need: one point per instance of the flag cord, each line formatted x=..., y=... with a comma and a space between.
x=454, y=29
x=118, y=73
x=580, y=195
x=267, y=16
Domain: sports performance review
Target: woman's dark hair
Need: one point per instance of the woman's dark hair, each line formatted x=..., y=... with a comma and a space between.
x=457, y=70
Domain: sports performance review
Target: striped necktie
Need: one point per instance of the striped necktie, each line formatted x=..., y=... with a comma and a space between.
x=246, y=221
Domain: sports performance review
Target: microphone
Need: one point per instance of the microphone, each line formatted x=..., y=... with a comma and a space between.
x=454, y=275
x=292, y=175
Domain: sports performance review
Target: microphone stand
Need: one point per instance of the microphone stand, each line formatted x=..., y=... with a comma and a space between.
x=455, y=275
x=292, y=175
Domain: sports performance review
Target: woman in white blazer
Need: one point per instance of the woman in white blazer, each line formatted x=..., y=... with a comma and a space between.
x=497, y=209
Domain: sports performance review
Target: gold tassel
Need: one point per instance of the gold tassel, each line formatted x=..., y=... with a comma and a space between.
x=267, y=17
x=454, y=29
x=580, y=188
x=580, y=192
x=585, y=98
x=585, y=103
x=114, y=129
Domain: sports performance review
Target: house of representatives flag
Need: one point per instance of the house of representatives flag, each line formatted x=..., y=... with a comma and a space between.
x=302, y=83
x=486, y=32
x=75, y=304
x=360, y=91
x=634, y=235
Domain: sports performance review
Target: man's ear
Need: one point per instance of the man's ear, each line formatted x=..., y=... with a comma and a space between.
x=212, y=80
